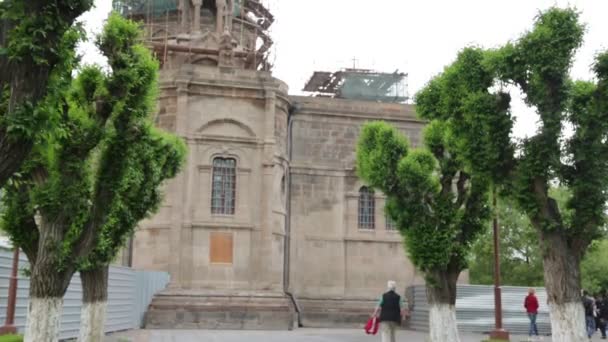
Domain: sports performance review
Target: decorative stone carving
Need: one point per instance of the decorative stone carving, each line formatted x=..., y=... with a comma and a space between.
x=226, y=50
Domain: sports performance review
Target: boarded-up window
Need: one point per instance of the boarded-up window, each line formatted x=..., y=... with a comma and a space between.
x=221, y=247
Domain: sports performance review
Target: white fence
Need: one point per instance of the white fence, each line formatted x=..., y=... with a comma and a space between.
x=475, y=309
x=129, y=294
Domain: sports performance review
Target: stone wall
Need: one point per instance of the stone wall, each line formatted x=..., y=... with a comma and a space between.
x=331, y=256
x=227, y=113
x=336, y=270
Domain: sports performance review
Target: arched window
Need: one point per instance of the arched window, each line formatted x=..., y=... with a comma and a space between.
x=367, y=207
x=223, y=189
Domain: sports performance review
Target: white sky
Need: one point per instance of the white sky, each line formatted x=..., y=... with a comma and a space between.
x=419, y=37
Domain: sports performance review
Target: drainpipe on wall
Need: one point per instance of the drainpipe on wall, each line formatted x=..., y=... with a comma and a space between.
x=287, y=243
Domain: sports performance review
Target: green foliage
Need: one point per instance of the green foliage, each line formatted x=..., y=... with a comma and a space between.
x=479, y=120
x=39, y=37
x=98, y=172
x=11, y=338
x=438, y=207
x=594, y=267
x=467, y=96
x=520, y=255
x=33, y=36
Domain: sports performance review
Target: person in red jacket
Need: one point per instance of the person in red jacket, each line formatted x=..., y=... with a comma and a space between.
x=531, y=305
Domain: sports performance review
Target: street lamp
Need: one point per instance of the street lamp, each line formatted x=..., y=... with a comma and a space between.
x=499, y=332
x=9, y=324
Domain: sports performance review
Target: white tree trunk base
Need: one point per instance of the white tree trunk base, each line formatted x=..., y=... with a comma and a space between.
x=442, y=323
x=43, y=319
x=92, y=322
x=568, y=322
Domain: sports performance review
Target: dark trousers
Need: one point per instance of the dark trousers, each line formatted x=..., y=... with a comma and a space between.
x=602, y=326
x=590, y=325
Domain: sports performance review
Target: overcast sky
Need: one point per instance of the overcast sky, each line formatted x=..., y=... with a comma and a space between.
x=419, y=37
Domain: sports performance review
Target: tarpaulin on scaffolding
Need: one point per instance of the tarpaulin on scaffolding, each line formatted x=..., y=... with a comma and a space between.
x=358, y=84
x=144, y=7
x=158, y=7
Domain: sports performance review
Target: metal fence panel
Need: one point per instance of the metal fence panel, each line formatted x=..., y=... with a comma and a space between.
x=475, y=309
x=129, y=294
x=6, y=264
x=147, y=285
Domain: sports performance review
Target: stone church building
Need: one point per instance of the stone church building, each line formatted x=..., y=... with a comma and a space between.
x=268, y=225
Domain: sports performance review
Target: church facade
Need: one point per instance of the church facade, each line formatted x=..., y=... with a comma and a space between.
x=268, y=225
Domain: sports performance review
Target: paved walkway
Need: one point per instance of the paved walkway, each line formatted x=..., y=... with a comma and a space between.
x=299, y=335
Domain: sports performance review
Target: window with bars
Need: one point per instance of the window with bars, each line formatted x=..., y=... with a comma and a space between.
x=223, y=190
x=367, y=207
x=390, y=224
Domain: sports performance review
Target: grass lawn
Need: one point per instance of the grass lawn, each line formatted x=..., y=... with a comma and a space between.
x=11, y=338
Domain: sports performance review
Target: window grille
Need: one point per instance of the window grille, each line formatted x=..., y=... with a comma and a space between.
x=223, y=192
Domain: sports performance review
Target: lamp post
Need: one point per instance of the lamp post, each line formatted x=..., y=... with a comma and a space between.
x=9, y=324
x=499, y=332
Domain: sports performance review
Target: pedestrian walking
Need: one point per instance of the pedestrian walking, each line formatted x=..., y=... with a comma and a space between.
x=531, y=305
x=602, y=308
x=391, y=311
x=590, y=313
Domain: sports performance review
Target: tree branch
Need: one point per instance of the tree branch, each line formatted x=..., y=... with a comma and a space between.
x=548, y=207
x=461, y=188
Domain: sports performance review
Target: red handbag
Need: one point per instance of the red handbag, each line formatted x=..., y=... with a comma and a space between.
x=371, y=328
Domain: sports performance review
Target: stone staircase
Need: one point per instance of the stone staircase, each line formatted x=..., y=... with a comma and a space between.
x=192, y=310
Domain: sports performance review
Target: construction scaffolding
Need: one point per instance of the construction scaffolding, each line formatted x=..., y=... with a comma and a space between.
x=173, y=26
x=359, y=84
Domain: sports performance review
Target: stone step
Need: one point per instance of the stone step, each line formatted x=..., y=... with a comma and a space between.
x=220, y=312
x=335, y=313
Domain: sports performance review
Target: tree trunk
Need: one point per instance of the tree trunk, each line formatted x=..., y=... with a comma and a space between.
x=94, y=301
x=562, y=280
x=47, y=287
x=12, y=154
x=43, y=319
x=441, y=295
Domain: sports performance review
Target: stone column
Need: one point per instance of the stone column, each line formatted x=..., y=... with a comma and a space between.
x=229, y=15
x=196, y=24
x=183, y=10
x=221, y=13
x=179, y=196
x=273, y=274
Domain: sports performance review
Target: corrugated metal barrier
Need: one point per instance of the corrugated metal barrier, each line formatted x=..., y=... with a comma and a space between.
x=475, y=309
x=129, y=294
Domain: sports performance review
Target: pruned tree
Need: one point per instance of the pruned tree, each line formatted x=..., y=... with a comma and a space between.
x=438, y=206
x=37, y=44
x=134, y=183
x=538, y=63
x=77, y=196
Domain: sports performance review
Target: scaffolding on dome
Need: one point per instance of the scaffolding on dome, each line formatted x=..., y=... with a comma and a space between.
x=140, y=9
x=359, y=84
x=164, y=23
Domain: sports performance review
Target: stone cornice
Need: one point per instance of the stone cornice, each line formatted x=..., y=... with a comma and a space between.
x=349, y=238
x=224, y=89
x=219, y=138
x=210, y=167
x=222, y=225
x=355, y=109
